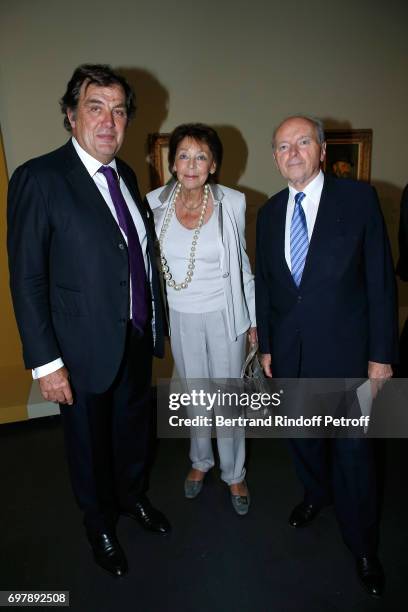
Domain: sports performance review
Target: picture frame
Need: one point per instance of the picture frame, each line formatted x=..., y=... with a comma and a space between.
x=348, y=154
x=158, y=149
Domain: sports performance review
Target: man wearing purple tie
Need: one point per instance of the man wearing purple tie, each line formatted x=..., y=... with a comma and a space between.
x=325, y=307
x=87, y=303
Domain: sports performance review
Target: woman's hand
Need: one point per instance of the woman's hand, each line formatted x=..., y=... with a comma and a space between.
x=252, y=336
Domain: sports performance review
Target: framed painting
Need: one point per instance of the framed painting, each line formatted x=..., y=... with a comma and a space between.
x=158, y=146
x=348, y=154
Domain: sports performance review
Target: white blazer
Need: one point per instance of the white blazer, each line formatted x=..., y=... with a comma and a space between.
x=239, y=286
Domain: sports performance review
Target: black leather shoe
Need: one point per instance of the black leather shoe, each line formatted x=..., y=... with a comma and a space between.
x=148, y=517
x=108, y=553
x=371, y=575
x=303, y=514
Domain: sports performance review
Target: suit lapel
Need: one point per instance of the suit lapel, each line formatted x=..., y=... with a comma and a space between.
x=326, y=228
x=278, y=233
x=132, y=187
x=144, y=210
x=90, y=196
x=87, y=192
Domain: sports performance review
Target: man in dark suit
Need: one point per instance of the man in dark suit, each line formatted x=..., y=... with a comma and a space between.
x=326, y=308
x=85, y=288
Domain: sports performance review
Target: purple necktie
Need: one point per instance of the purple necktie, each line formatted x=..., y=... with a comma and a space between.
x=136, y=262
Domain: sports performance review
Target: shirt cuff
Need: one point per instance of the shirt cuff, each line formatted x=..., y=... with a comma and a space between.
x=47, y=368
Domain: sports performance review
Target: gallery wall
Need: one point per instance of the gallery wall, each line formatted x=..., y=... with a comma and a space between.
x=240, y=66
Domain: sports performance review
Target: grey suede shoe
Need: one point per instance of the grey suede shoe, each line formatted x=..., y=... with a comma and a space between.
x=240, y=503
x=192, y=488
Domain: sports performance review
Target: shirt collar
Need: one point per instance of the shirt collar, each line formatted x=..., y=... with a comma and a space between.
x=312, y=190
x=91, y=164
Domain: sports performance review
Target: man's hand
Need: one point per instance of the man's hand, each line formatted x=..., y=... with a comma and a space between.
x=266, y=361
x=378, y=373
x=55, y=387
x=252, y=336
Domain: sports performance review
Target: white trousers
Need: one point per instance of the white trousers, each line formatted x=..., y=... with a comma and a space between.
x=202, y=348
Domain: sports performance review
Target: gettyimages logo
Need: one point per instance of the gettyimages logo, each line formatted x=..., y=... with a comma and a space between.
x=285, y=408
x=222, y=399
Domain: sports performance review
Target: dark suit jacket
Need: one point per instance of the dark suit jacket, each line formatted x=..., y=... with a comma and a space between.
x=69, y=269
x=402, y=267
x=344, y=312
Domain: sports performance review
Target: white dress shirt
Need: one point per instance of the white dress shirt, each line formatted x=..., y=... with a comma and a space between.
x=92, y=165
x=310, y=205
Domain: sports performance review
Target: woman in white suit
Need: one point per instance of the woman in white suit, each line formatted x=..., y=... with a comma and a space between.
x=210, y=287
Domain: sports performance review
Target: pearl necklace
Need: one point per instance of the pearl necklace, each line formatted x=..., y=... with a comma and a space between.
x=191, y=260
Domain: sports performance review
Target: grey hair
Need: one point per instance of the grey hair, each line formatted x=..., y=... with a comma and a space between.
x=315, y=121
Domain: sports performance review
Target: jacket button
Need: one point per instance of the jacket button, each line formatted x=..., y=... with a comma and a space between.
x=226, y=275
x=299, y=298
x=123, y=283
x=121, y=246
x=122, y=321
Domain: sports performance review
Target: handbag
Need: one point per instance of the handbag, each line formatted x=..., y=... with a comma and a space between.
x=251, y=367
x=252, y=373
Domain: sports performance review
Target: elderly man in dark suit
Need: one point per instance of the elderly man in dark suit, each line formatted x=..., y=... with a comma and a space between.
x=325, y=301
x=85, y=293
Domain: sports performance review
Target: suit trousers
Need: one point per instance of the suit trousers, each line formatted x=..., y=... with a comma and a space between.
x=342, y=470
x=202, y=348
x=107, y=438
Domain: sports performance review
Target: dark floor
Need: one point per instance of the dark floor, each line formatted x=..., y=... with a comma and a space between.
x=213, y=560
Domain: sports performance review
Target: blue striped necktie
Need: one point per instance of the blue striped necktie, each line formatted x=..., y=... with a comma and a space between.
x=299, y=241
